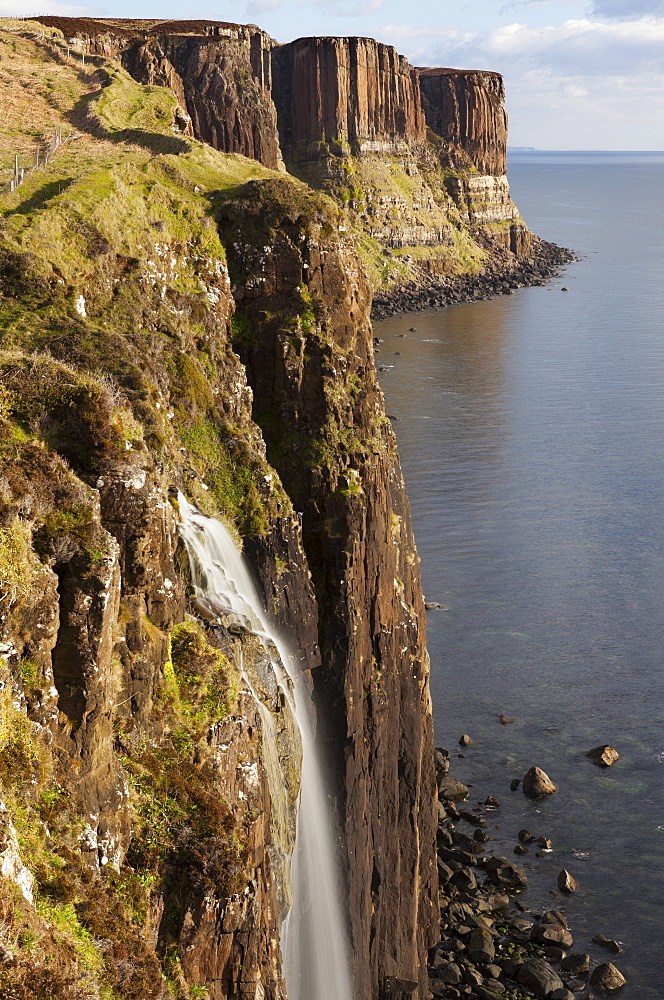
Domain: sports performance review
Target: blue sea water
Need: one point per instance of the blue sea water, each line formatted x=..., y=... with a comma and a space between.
x=531, y=432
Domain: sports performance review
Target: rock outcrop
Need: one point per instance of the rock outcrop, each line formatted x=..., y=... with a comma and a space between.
x=318, y=401
x=467, y=109
x=352, y=93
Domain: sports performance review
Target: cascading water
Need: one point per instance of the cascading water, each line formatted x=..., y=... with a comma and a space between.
x=316, y=954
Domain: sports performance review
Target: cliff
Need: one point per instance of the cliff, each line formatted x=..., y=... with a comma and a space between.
x=174, y=318
x=416, y=158
x=468, y=110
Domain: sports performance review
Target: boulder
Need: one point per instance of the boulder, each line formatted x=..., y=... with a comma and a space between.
x=552, y=934
x=525, y=836
x=471, y=818
x=545, y=844
x=481, y=948
x=561, y=994
x=538, y=976
x=437, y=989
x=567, y=882
x=576, y=964
x=506, y=874
x=536, y=783
x=449, y=973
x=451, y=789
x=607, y=977
x=603, y=756
x=554, y=917
x=441, y=759
x=610, y=945
x=464, y=879
x=465, y=740
x=490, y=989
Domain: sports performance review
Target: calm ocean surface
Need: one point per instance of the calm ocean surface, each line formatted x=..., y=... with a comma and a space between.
x=531, y=432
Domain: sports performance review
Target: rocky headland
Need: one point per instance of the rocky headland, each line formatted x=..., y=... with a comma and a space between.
x=190, y=243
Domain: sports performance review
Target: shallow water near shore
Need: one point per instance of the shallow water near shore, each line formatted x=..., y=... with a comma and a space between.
x=531, y=432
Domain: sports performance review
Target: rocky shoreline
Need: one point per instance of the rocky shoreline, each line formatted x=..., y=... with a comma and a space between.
x=501, y=277
x=491, y=946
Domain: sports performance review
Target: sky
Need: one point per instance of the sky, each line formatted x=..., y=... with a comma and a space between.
x=579, y=74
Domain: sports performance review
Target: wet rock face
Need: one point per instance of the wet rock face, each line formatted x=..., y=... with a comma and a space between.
x=354, y=90
x=467, y=108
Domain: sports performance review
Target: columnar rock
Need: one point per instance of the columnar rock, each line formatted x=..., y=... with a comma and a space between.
x=346, y=90
x=319, y=402
x=467, y=109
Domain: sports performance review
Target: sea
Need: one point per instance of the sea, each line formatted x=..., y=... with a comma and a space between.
x=531, y=434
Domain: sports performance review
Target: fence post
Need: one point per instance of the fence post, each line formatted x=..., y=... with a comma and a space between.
x=15, y=169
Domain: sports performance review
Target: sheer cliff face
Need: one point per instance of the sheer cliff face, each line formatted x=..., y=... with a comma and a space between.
x=321, y=409
x=467, y=109
x=346, y=90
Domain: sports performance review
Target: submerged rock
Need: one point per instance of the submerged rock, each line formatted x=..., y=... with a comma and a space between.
x=610, y=945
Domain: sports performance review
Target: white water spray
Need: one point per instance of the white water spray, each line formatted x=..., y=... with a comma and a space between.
x=313, y=936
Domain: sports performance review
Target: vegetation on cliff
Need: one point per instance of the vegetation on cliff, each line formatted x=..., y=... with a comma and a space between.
x=174, y=316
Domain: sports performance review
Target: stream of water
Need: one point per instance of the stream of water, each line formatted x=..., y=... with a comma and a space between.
x=313, y=934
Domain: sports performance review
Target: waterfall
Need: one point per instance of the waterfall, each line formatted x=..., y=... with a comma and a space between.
x=316, y=954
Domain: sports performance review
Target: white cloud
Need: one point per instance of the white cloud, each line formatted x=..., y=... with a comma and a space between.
x=581, y=84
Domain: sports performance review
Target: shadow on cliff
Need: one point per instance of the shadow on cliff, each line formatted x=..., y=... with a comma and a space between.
x=43, y=194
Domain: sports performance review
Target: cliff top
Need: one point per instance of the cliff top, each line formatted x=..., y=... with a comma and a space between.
x=446, y=71
x=131, y=27
x=146, y=27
